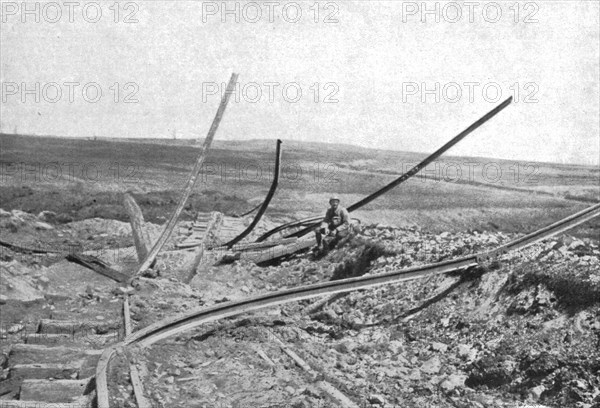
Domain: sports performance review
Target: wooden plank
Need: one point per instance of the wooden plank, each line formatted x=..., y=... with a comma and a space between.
x=85, y=403
x=126, y=316
x=202, y=217
x=186, y=245
x=36, y=353
x=327, y=387
x=97, y=266
x=45, y=338
x=91, y=339
x=264, y=356
x=213, y=225
x=188, y=188
x=136, y=219
x=53, y=391
x=50, y=326
x=47, y=370
x=72, y=327
x=21, y=248
x=301, y=363
x=138, y=389
x=10, y=387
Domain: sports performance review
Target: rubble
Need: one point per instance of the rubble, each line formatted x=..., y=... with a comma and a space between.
x=453, y=382
x=523, y=329
x=431, y=366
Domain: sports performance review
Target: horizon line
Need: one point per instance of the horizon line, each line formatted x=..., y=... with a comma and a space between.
x=117, y=138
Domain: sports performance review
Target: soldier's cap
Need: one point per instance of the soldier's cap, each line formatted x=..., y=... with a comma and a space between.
x=334, y=198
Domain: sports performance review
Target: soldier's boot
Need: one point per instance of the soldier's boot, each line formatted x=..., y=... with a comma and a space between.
x=319, y=238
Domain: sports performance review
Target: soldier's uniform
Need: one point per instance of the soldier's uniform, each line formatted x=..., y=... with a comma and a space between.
x=336, y=223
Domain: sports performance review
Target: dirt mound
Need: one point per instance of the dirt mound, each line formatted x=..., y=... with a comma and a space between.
x=20, y=282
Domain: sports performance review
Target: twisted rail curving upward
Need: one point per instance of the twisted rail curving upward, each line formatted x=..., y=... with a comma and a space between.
x=265, y=203
x=315, y=221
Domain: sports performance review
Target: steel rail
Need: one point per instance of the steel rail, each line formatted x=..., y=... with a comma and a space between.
x=288, y=225
x=416, y=169
x=247, y=212
x=21, y=248
x=170, y=326
x=265, y=203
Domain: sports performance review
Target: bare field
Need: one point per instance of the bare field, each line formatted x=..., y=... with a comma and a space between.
x=80, y=179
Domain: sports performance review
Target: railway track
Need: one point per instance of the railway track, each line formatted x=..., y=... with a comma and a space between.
x=55, y=364
x=172, y=326
x=193, y=236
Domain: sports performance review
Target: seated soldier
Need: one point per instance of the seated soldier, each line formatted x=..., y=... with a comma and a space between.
x=335, y=224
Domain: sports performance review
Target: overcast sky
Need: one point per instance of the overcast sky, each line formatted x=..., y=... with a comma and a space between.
x=361, y=67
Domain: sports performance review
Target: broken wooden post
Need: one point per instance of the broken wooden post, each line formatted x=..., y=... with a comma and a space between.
x=126, y=316
x=213, y=225
x=191, y=180
x=136, y=219
x=98, y=266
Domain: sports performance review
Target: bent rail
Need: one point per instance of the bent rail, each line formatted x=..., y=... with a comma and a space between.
x=171, y=326
x=265, y=204
x=248, y=212
x=288, y=225
x=406, y=175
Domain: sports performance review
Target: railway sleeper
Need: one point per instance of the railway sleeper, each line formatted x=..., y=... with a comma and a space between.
x=52, y=391
x=90, y=339
x=56, y=366
x=65, y=371
x=34, y=353
x=84, y=402
x=72, y=327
